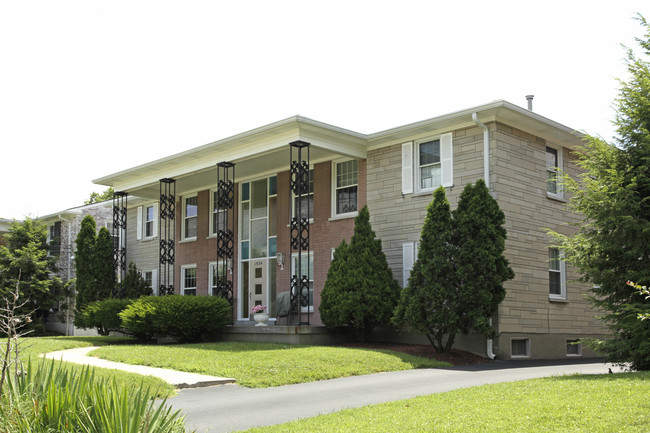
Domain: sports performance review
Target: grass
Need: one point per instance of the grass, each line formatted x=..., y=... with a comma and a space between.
x=578, y=403
x=31, y=347
x=258, y=365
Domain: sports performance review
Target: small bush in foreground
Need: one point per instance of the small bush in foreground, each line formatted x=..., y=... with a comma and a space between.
x=187, y=318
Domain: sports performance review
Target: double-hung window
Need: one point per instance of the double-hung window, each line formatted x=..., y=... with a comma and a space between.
x=190, y=217
x=306, y=210
x=188, y=280
x=147, y=223
x=217, y=273
x=427, y=164
x=219, y=216
x=556, y=274
x=346, y=187
x=553, y=165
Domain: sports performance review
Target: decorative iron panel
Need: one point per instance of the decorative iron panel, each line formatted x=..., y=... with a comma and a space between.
x=167, y=235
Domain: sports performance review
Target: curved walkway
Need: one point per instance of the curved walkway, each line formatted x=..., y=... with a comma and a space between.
x=216, y=409
x=179, y=379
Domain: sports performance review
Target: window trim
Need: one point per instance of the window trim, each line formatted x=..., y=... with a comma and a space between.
x=211, y=266
x=574, y=342
x=183, y=288
x=335, y=188
x=213, y=230
x=556, y=170
x=418, y=166
x=411, y=163
x=527, y=340
x=185, y=218
x=141, y=225
x=562, y=296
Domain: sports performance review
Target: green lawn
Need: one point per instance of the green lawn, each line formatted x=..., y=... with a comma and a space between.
x=31, y=347
x=258, y=365
x=579, y=403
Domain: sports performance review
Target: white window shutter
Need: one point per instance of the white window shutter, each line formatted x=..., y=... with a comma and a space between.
x=407, y=261
x=138, y=232
x=407, y=168
x=155, y=220
x=447, y=159
x=154, y=281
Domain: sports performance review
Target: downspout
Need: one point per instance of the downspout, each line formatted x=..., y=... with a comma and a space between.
x=486, y=176
x=486, y=149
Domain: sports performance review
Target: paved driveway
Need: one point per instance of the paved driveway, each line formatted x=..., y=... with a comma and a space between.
x=228, y=408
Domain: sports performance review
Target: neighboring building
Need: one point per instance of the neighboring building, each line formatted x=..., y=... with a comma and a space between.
x=63, y=228
x=175, y=230
x=5, y=225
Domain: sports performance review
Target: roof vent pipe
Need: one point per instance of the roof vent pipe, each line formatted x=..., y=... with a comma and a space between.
x=529, y=98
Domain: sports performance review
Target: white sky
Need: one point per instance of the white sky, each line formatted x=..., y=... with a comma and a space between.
x=89, y=88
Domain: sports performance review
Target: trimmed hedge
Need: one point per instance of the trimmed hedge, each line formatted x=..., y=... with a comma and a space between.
x=102, y=315
x=187, y=318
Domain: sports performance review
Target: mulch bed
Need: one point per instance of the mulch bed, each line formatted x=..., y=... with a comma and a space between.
x=455, y=357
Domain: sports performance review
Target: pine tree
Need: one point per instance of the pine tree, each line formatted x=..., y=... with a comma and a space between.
x=104, y=268
x=25, y=263
x=134, y=284
x=429, y=304
x=84, y=262
x=612, y=242
x=360, y=290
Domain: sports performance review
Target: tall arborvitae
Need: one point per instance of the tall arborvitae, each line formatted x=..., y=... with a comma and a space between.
x=360, y=290
x=84, y=262
x=481, y=267
x=103, y=266
x=429, y=304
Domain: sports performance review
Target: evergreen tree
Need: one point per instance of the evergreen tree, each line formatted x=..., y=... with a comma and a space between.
x=104, y=268
x=84, y=262
x=429, y=304
x=481, y=268
x=612, y=242
x=25, y=262
x=457, y=280
x=360, y=290
x=134, y=284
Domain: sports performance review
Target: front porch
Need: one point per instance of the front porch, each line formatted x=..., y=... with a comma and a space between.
x=245, y=330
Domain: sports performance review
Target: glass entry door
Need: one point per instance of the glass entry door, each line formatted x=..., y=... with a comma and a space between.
x=257, y=278
x=258, y=241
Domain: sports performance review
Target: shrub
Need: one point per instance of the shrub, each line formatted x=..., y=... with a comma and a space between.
x=187, y=318
x=102, y=315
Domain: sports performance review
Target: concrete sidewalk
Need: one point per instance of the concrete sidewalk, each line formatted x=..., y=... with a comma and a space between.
x=179, y=379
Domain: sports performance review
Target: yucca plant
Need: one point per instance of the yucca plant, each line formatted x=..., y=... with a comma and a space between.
x=48, y=397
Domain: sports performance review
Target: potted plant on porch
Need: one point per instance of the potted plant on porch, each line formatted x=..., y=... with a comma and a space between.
x=260, y=315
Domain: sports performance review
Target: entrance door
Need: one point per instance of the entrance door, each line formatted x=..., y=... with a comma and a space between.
x=257, y=278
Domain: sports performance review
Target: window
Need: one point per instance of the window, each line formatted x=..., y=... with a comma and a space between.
x=219, y=218
x=190, y=212
x=427, y=164
x=346, y=175
x=147, y=223
x=54, y=239
x=307, y=268
x=553, y=164
x=573, y=348
x=217, y=269
x=520, y=347
x=188, y=280
x=308, y=210
x=429, y=167
x=556, y=274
